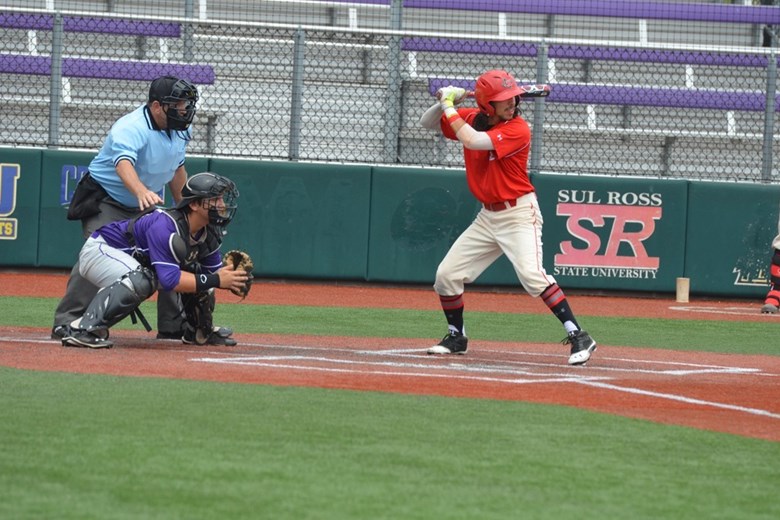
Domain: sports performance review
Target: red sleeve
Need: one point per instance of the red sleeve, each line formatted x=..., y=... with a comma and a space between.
x=467, y=114
x=510, y=137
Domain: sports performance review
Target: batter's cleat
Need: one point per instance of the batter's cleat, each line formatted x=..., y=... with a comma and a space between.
x=582, y=346
x=768, y=308
x=452, y=343
x=82, y=338
x=215, y=338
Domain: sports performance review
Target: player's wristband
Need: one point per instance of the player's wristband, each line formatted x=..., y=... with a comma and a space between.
x=204, y=282
x=452, y=115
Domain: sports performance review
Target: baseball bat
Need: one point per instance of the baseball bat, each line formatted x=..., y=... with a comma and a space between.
x=541, y=90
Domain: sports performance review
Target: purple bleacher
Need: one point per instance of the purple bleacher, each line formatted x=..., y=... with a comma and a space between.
x=45, y=22
x=506, y=48
x=640, y=96
x=371, y=2
x=108, y=69
x=698, y=12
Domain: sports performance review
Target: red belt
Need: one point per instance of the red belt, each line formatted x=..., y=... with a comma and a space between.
x=500, y=206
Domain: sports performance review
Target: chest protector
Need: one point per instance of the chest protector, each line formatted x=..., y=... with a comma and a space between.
x=187, y=251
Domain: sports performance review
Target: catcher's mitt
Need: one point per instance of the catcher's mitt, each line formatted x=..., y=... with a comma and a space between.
x=240, y=260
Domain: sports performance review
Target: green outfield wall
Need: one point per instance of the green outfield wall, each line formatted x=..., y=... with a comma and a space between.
x=388, y=224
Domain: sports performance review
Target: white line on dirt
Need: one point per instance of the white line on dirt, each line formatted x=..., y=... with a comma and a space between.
x=673, y=397
x=453, y=367
x=398, y=374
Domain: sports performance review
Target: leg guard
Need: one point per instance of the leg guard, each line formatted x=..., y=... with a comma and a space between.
x=198, y=316
x=773, y=296
x=115, y=302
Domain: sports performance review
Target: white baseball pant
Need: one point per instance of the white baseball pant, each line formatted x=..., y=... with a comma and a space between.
x=515, y=232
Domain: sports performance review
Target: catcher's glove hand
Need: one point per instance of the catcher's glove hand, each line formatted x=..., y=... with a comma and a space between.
x=240, y=260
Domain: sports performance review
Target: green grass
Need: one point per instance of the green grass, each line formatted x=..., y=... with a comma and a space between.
x=710, y=336
x=90, y=446
x=111, y=447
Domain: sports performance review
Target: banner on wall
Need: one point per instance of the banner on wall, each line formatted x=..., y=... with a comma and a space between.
x=9, y=177
x=628, y=218
x=729, y=237
x=626, y=235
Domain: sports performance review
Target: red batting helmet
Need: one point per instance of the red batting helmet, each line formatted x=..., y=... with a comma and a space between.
x=495, y=85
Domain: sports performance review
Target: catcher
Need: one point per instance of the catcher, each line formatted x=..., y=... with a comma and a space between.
x=175, y=249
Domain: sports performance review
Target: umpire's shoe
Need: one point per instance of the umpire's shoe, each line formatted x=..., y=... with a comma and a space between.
x=60, y=331
x=82, y=338
x=452, y=343
x=582, y=346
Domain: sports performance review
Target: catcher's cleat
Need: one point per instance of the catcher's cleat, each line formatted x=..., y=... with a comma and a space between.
x=768, y=308
x=582, y=346
x=82, y=338
x=452, y=343
x=217, y=337
x=223, y=332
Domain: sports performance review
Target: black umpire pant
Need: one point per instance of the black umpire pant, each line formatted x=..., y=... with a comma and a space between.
x=80, y=291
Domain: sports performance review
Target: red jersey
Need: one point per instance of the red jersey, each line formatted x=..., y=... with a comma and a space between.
x=500, y=174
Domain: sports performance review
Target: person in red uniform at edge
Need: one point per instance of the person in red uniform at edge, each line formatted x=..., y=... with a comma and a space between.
x=496, y=142
x=772, y=300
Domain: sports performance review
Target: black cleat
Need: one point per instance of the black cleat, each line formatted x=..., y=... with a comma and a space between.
x=582, y=346
x=82, y=338
x=452, y=343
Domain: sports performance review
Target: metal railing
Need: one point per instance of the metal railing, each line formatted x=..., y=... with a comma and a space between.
x=349, y=94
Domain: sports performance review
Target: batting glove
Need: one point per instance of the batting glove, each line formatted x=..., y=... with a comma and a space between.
x=450, y=96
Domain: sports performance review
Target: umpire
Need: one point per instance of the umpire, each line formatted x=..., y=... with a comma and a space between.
x=144, y=151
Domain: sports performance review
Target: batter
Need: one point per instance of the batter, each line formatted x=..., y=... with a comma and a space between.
x=496, y=142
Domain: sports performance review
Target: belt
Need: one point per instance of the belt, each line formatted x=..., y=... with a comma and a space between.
x=500, y=206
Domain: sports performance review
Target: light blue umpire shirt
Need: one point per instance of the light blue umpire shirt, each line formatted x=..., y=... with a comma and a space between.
x=155, y=153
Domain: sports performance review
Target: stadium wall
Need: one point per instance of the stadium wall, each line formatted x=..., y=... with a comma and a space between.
x=394, y=224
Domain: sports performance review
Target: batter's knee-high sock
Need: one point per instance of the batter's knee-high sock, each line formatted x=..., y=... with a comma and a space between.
x=556, y=301
x=453, y=311
x=773, y=296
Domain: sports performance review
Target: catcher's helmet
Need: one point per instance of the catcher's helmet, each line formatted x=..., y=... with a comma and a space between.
x=495, y=85
x=209, y=185
x=169, y=91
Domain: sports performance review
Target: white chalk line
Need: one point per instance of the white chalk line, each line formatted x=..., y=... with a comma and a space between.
x=453, y=368
x=680, y=398
x=568, y=379
x=680, y=368
x=463, y=371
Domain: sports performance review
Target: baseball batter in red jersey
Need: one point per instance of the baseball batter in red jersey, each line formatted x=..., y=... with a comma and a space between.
x=496, y=142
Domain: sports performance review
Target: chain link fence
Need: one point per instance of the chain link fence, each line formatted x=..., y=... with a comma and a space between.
x=347, y=81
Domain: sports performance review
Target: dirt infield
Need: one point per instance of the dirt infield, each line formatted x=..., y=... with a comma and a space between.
x=735, y=394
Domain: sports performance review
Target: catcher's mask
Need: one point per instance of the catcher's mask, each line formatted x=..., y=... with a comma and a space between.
x=178, y=98
x=211, y=187
x=496, y=85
